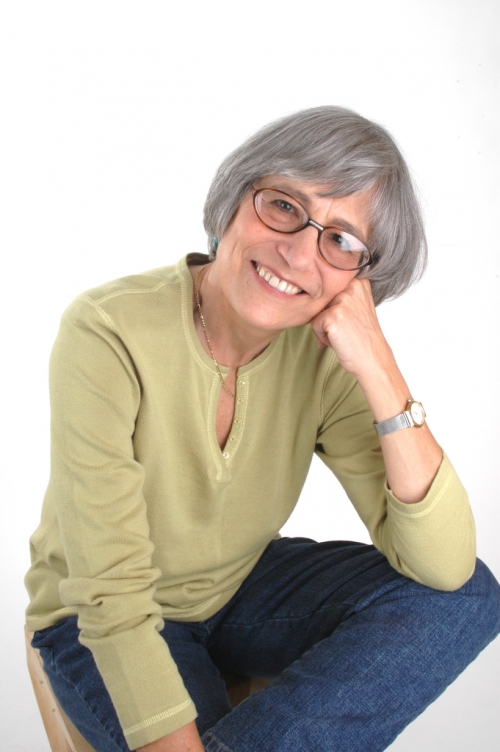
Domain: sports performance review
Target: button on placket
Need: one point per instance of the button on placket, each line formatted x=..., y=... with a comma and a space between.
x=237, y=420
x=240, y=399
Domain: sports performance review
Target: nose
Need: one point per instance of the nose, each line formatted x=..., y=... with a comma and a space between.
x=300, y=249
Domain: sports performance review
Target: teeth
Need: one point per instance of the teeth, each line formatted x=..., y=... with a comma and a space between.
x=276, y=282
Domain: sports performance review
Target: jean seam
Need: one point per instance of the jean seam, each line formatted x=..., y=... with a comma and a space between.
x=217, y=741
x=287, y=619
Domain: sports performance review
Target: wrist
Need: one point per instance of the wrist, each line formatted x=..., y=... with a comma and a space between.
x=412, y=416
x=385, y=389
x=185, y=739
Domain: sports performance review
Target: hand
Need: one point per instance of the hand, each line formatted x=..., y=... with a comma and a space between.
x=185, y=739
x=349, y=325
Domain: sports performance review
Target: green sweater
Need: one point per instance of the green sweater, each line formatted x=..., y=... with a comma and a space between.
x=146, y=518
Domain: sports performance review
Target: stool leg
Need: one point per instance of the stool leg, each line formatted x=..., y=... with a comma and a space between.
x=240, y=687
x=61, y=733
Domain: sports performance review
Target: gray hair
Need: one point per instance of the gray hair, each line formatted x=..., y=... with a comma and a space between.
x=347, y=153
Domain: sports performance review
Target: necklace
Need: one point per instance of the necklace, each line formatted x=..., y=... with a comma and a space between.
x=221, y=377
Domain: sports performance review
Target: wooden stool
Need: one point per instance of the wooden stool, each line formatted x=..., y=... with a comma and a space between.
x=63, y=736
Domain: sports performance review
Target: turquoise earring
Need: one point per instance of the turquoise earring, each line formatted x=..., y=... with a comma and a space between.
x=215, y=244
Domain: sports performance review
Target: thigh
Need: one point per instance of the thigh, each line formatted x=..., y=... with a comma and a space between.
x=394, y=652
x=299, y=593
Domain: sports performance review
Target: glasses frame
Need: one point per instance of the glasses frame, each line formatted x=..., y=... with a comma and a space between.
x=311, y=223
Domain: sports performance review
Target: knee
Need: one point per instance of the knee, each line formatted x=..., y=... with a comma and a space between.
x=481, y=596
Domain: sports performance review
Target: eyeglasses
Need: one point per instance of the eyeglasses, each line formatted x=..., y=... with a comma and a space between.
x=281, y=212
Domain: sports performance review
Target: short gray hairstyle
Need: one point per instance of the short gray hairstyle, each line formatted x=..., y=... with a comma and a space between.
x=347, y=153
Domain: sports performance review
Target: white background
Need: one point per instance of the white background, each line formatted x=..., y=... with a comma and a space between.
x=114, y=118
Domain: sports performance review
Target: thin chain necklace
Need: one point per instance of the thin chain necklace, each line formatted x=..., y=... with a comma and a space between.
x=221, y=377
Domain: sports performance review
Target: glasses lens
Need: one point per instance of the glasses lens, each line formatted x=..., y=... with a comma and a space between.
x=279, y=211
x=343, y=250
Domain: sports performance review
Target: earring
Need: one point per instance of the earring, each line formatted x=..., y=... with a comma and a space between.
x=215, y=244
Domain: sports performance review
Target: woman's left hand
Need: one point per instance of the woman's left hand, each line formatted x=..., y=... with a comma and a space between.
x=349, y=325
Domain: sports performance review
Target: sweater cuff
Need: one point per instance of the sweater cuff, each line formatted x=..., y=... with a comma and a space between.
x=143, y=682
x=157, y=726
x=444, y=477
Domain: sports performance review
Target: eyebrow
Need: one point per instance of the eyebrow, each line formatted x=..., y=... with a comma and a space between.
x=343, y=224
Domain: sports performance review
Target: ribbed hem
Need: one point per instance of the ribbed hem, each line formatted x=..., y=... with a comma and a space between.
x=161, y=726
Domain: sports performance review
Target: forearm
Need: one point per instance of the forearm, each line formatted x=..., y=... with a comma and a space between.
x=185, y=739
x=411, y=456
x=432, y=541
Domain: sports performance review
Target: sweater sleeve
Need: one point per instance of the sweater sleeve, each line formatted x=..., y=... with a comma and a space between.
x=432, y=541
x=97, y=486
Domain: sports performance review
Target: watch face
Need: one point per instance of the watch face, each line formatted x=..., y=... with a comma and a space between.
x=417, y=413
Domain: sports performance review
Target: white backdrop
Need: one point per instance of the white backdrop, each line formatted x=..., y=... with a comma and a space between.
x=115, y=116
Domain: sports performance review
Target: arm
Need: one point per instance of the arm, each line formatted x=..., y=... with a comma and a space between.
x=350, y=326
x=97, y=488
x=405, y=490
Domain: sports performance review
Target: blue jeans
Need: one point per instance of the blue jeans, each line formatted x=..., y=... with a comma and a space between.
x=356, y=651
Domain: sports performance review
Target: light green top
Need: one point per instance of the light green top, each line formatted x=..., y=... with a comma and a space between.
x=145, y=516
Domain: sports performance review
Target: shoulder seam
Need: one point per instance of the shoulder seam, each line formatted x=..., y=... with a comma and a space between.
x=131, y=291
x=99, y=310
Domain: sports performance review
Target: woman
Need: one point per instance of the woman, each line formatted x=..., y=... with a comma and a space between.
x=186, y=405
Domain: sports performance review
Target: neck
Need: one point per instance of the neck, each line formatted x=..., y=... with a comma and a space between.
x=234, y=342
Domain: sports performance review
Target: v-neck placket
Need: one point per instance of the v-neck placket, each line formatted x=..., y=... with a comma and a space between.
x=223, y=457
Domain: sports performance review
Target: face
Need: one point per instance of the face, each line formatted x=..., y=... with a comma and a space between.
x=249, y=247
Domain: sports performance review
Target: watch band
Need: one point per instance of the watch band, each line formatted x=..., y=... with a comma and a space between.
x=414, y=415
x=403, y=420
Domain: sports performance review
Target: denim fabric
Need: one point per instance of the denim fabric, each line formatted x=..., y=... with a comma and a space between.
x=355, y=649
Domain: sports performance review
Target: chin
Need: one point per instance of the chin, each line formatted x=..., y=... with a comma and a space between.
x=270, y=322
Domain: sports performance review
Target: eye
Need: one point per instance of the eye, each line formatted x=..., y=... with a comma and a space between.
x=343, y=250
x=279, y=211
x=341, y=240
x=284, y=206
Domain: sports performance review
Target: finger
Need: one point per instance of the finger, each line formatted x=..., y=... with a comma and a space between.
x=320, y=333
x=321, y=340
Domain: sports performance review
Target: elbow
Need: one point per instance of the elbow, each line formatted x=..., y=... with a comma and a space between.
x=453, y=581
x=447, y=578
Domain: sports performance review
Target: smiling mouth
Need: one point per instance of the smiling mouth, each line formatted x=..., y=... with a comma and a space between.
x=279, y=284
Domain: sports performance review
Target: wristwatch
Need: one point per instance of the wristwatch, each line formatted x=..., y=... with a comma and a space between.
x=414, y=415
